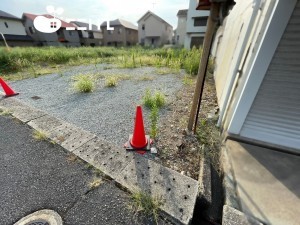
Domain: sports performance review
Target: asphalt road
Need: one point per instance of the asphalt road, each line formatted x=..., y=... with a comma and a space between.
x=38, y=175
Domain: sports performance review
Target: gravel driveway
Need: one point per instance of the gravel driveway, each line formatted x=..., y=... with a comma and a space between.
x=106, y=112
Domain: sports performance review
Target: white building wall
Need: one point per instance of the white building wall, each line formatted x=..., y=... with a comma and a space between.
x=14, y=27
x=181, y=30
x=191, y=30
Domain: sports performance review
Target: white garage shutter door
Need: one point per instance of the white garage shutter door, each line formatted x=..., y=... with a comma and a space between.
x=275, y=114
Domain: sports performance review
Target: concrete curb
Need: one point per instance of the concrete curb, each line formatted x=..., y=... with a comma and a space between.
x=130, y=170
x=232, y=216
x=229, y=183
x=45, y=215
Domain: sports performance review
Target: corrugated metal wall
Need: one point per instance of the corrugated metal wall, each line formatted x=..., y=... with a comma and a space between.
x=275, y=114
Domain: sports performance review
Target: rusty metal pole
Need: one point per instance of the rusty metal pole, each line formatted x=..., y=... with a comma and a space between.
x=211, y=26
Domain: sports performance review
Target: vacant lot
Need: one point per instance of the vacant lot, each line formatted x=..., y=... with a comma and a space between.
x=98, y=89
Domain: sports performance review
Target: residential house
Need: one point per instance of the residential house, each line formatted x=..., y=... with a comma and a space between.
x=12, y=29
x=154, y=31
x=196, y=25
x=89, y=34
x=62, y=37
x=181, y=27
x=258, y=82
x=124, y=33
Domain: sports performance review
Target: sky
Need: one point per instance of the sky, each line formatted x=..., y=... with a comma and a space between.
x=99, y=11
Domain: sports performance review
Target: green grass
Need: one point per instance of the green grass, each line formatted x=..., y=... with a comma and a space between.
x=187, y=80
x=83, y=83
x=158, y=99
x=145, y=203
x=209, y=137
x=154, y=121
x=39, y=135
x=37, y=60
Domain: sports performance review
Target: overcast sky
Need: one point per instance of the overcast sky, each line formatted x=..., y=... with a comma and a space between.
x=99, y=10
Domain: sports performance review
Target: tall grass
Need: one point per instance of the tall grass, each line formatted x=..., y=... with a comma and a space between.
x=18, y=58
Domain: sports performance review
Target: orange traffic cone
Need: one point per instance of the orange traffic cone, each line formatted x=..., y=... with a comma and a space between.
x=138, y=141
x=8, y=91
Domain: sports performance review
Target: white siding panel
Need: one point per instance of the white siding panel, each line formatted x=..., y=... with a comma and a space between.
x=275, y=114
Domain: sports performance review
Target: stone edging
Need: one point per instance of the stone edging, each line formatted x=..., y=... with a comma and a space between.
x=233, y=216
x=128, y=169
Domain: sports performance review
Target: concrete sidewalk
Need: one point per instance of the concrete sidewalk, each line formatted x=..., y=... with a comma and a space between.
x=38, y=175
x=267, y=183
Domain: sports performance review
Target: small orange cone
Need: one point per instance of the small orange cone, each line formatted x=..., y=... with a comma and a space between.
x=138, y=141
x=8, y=91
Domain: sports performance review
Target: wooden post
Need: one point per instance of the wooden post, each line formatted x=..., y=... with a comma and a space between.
x=211, y=26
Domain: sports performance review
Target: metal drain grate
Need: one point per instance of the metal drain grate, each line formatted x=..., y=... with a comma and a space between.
x=38, y=222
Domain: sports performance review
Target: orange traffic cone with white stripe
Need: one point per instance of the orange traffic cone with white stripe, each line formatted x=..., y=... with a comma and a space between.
x=7, y=89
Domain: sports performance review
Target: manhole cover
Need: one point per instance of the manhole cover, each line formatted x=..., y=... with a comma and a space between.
x=38, y=222
x=35, y=97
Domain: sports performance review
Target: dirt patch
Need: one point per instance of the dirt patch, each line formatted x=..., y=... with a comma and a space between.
x=180, y=151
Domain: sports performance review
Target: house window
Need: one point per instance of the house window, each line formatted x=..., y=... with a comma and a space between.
x=53, y=24
x=90, y=35
x=110, y=31
x=120, y=31
x=200, y=21
x=6, y=24
x=143, y=27
x=177, y=37
x=70, y=33
x=31, y=30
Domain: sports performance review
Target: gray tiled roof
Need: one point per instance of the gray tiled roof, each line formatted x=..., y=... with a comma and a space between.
x=119, y=22
x=148, y=13
x=8, y=16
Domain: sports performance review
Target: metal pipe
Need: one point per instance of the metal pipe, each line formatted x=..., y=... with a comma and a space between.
x=4, y=40
x=256, y=6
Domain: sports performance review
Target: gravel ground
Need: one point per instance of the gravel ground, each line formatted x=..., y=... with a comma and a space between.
x=106, y=112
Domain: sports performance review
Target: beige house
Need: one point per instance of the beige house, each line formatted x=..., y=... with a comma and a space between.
x=12, y=29
x=89, y=34
x=120, y=33
x=181, y=27
x=154, y=31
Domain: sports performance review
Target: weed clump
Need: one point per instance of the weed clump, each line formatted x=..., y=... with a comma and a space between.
x=84, y=83
x=39, y=135
x=111, y=81
x=95, y=183
x=144, y=202
x=192, y=60
x=153, y=121
x=158, y=99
